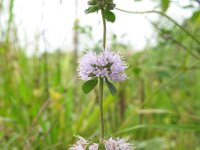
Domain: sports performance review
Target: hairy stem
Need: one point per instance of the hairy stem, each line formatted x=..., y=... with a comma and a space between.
x=104, y=29
x=166, y=16
x=101, y=106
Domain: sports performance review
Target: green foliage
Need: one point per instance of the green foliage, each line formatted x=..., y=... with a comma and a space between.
x=106, y=6
x=158, y=106
x=111, y=87
x=88, y=86
x=137, y=71
x=165, y=5
x=92, y=9
x=109, y=16
x=195, y=16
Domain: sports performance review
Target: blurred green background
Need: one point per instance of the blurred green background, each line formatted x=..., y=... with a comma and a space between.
x=43, y=107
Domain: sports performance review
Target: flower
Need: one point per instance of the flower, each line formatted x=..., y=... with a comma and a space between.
x=110, y=144
x=107, y=64
x=117, y=144
x=94, y=146
x=81, y=144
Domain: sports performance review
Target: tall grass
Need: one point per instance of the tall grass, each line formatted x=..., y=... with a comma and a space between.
x=42, y=105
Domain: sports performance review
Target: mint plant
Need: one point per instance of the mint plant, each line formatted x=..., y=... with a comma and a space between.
x=99, y=69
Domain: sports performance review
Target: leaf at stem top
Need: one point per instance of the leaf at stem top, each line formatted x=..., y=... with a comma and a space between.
x=109, y=16
x=165, y=5
x=92, y=9
x=111, y=87
x=88, y=86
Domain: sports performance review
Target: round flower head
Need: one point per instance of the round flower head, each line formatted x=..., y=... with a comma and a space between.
x=81, y=144
x=106, y=64
x=94, y=146
x=117, y=144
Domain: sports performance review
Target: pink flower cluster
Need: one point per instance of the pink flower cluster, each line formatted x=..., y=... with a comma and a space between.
x=110, y=144
x=106, y=64
x=117, y=144
x=82, y=144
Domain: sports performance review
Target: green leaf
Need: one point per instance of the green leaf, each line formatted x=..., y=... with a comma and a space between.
x=109, y=16
x=165, y=5
x=91, y=9
x=89, y=85
x=137, y=71
x=111, y=87
x=195, y=15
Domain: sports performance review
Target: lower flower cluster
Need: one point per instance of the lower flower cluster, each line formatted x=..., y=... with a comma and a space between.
x=110, y=144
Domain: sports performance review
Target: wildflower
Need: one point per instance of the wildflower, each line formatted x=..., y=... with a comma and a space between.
x=106, y=64
x=55, y=95
x=118, y=144
x=94, y=146
x=81, y=144
x=37, y=92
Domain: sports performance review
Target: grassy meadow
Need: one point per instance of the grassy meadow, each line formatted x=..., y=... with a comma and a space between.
x=42, y=106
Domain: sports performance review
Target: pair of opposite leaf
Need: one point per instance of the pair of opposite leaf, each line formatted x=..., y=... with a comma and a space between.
x=89, y=85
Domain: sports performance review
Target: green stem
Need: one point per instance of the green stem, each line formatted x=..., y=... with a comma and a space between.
x=46, y=78
x=166, y=16
x=104, y=29
x=101, y=106
x=101, y=79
